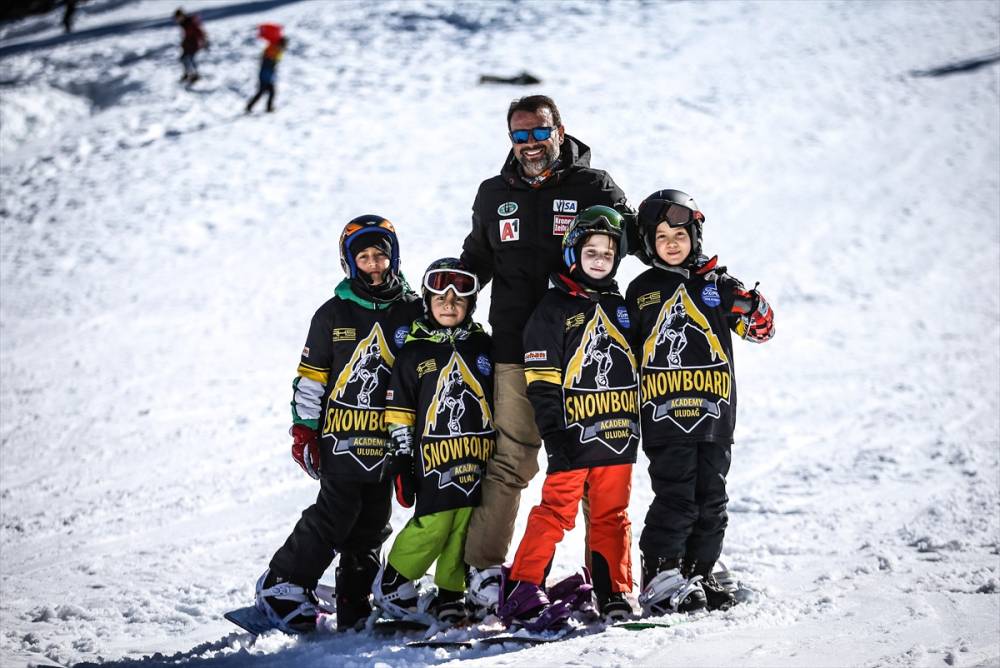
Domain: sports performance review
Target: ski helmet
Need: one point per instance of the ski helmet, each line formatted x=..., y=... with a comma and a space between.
x=675, y=208
x=592, y=220
x=449, y=273
x=369, y=230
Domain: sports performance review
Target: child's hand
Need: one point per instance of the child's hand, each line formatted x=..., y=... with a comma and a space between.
x=305, y=449
x=757, y=321
x=557, y=449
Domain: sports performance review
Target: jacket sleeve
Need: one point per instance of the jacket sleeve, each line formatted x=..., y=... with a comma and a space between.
x=401, y=397
x=727, y=286
x=543, y=349
x=476, y=250
x=313, y=372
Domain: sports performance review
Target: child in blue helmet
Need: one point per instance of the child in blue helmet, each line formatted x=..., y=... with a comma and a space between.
x=439, y=410
x=339, y=435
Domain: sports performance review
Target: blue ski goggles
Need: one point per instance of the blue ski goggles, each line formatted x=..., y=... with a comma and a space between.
x=539, y=134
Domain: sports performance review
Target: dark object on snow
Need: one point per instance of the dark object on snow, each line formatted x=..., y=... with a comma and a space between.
x=961, y=66
x=522, y=79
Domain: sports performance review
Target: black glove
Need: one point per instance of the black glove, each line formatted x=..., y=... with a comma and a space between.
x=398, y=466
x=557, y=449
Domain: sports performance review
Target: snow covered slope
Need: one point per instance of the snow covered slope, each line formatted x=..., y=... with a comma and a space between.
x=161, y=255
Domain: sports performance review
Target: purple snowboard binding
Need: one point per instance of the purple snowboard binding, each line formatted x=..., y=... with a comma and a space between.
x=529, y=607
x=577, y=591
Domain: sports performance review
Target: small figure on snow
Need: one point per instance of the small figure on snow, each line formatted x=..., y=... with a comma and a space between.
x=193, y=41
x=339, y=441
x=687, y=302
x=589, y=449
x=267, y=76
x=444, y=367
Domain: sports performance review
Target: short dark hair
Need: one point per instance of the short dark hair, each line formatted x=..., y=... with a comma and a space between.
x=532, y=104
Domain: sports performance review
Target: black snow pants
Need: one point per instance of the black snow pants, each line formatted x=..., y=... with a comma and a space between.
x=349, y=517
x=687, y=518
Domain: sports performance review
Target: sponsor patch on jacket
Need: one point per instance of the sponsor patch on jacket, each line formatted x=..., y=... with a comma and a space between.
x=344, y=334
x=648, y=299
x=483, y=364
x=564, y=205
x=305, y=352
x=574, y=321
x=507, y=209
x=622, y=315
x=536, y=356
x=389, y=394
x=710, y=295
x=400, y=336
x=426, y=366
x=510, y=229
x=560, y=224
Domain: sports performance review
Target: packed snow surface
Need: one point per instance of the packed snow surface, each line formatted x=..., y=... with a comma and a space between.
x=162, y=254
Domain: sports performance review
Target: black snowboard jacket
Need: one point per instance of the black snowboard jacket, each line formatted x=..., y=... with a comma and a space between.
x=581, y=375
x=517, y=234
x=442, y=389
x=343, y=375
x=683, y=343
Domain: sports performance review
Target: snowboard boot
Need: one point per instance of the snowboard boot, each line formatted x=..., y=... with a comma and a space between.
x=289, y=606
x=393, y=594
x=665, y=589
x=482, y=591
x=615, y=608
x=449, y=607
x=717, y=595
x=355, y=574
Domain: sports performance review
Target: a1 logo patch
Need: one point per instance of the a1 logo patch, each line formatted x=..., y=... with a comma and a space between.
x=510, y=229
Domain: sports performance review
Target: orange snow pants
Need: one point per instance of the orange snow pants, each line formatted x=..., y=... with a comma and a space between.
x=610, y=529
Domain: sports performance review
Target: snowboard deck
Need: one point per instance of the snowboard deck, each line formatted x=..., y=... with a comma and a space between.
x=253, y=621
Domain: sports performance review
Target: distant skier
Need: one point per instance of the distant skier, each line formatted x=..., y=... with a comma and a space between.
x=268, y=75
x=192, y=42
x=689, y=454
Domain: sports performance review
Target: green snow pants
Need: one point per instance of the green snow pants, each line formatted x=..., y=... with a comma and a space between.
x=438, y=536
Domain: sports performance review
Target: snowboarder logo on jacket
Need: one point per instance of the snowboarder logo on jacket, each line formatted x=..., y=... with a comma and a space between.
x=674, y=388
x=354, y=402
x=600, y=385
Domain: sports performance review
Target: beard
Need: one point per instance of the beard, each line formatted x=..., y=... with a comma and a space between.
x=537, y=166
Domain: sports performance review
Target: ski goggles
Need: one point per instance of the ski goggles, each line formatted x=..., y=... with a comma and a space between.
x=671, y=213
x=539, y=134
x=462, y=283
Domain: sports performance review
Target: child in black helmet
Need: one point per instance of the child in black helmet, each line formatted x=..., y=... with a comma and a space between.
x=339, y=434
x=439, y=410
x=684, y=309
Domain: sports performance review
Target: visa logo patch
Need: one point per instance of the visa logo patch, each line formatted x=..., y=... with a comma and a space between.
x=564, y=205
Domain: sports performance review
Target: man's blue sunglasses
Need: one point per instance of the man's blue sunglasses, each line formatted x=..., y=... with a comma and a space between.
x=539, y=134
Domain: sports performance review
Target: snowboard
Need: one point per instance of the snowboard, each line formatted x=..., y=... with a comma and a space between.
x=255, y=622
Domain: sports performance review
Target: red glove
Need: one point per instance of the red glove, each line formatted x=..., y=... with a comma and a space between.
x=757, y=321
x=305, y=449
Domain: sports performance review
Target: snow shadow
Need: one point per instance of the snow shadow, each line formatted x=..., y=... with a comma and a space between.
x=318, y=650
x=207, y=14
x=968, y=65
